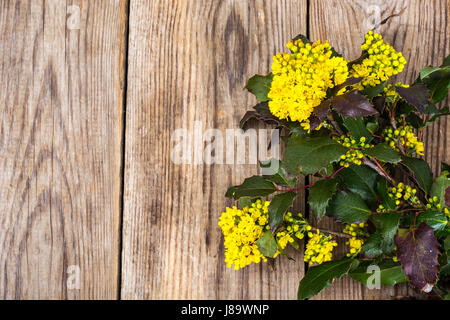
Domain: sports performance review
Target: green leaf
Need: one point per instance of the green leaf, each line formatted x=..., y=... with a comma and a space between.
x=245, y=202
x=260, y=86
x=357, y=128
x=445, y=167
x=254, y=187
x=382, y=191
x=277, y=208
x=371, y=92
x=230, y=192
x=360, y=180
x=348, y=208
x=417, y=249
x=426, y=71
x=383, y=153
x=437, y=80
x=320, y=195
x=382, y=241
x=421, y=170
x=279, y=176
x=391, y=273
x=440, y=186
x=353, y=104
x=308, y=156
x=267, y=244
x=435, y=219
x=416, y=95
x=319, y=277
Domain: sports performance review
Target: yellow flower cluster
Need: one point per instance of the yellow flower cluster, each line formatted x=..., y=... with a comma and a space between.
x=302, y=78
x=381, y=209
x=381, y=63
x=241, y=229
x=434, y=203
x=403, y=192
x=319, y=248
x=354, y=155
x=405, y=137
x=390, y=94
x=357, y=233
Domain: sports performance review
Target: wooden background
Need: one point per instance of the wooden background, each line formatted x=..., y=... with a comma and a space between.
x=90, y=94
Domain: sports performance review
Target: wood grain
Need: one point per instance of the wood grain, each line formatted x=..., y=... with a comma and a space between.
x=61, y=97
x=422, y=34
x=189, y=61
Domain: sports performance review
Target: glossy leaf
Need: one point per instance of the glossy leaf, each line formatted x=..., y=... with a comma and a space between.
x=439, y=187
x=417, y=249
x=319, y=277
x=416, y=95
x=267, y=244
x=357, y=128
x=254, y=187
x=278, y=207
x=383, y=153
x=348, y=208
x=320, y=195
x=382, y=241
x=308, y=156
x=260, y=86
x=353, y=104
x=390, y=274
x=435, y=219
x=421, y=171
x=360, y=180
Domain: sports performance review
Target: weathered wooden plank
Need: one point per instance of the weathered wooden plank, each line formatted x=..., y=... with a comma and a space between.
x=188, y=61
x=61, y=97
x=422, y=34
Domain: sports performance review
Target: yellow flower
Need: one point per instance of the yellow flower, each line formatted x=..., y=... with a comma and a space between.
x=241, y=228
x=381, y=63
x=358, y=233
x=302, y=78
x=405, y=137
x=319, y=248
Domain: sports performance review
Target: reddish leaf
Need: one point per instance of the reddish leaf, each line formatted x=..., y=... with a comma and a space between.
x=353, y=104
x=319, y=114
x=417, y=95
x=417, y=249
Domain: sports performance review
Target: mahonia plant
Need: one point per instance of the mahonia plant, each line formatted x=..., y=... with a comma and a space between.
x=359, y=134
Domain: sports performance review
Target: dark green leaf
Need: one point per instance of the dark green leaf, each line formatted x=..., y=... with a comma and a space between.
x=384, y=153
x=371, y=92
x=304, y=39
x=439, y=187
x=445, y=167
x=360, y=180
x=435, y=219
x=382, y=241
x=416, y=95
x=260, y=86
x=417, y=249
x=421, y=170
x=255, y=186
x=277, y=208
x=320, y=195
x=275, y=172
x=353, y=104
x=267, y=244
x=382, y=191
x=230, y=192
x=319, y=277
x=307, y=156
x=357, y=128
x=245, y=202
x=348, y=208
x=391, y=273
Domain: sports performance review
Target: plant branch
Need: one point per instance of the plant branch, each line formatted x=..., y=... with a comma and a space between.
x=338, y=234
x=378, y=168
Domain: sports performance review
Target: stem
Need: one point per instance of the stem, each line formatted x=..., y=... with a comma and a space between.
x=290, y=189
x=378, y=168
x=338, y=234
